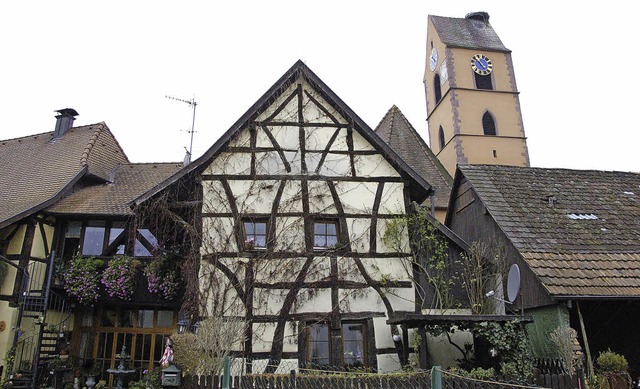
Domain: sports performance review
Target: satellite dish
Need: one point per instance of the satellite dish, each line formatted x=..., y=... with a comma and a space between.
x=513, y=283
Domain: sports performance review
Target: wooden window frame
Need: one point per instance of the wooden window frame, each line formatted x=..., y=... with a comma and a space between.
x=247, y=246
x=336, y=352
x=326, y=222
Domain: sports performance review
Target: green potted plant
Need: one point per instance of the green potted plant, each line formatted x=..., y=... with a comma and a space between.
x=615, y=368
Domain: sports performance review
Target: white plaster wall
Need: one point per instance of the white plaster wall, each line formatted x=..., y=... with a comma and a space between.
x=242, y=139
x=392, y=201
x=254, y=196
x=278, y=269
x=291, y=200
x=402, y=245
x=269, y=162
x=373, y=166
x=289, y=234
x=361, y=144
x=388, y=363
x=401, y=299
x=359, y=234
x=317, y=138
x=340, y=144
x=382, y=333
x=215, y=200
x=285, y=367
x=313, y=300
x=348, y=270
x=320, y=269
x=357, y=197
x=15, y=245
x=313, y=114
x=230, y=163
x=394, y=269
x=268, y=301
x=359, y=300
x=287, y=137
x=320, y=199
x=263, y=337
x=218, y=235
x=334, y=165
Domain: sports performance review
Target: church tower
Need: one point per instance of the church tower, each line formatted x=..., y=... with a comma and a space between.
x=473, y=109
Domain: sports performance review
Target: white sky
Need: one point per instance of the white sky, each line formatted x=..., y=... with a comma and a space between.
x=115, y=61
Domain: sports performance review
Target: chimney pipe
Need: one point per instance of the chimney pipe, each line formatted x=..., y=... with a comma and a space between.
x=64, y=121
x=481, y=16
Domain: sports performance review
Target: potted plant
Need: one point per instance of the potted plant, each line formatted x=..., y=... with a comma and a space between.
x=90, y=370
x=81, y=280
x=615, y=368
x=162, y=278
x=119, y=277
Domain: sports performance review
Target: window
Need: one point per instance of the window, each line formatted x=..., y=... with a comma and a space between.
x=483, y=82
x=105, y=330
x=255, y=234
x=105, y=238
x=354, y=346
x=319, y=345
x=441, y=137
x=436, y=88
x=93, y=240
x=488, y=124
x=325, y=234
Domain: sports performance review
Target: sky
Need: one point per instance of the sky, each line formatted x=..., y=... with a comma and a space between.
x=117, y=61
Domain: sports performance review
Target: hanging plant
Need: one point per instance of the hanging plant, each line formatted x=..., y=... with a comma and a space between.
x=119, y=277
x=162, y=279
x=81, y=280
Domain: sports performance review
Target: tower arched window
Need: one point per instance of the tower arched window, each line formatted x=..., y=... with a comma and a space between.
x=441, y=137
x=436, y=88
x=483, y=82
x=488, y=124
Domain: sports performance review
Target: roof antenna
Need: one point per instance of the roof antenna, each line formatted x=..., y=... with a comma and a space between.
x=192, y=103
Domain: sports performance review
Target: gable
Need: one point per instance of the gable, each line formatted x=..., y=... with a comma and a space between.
x=323, y=115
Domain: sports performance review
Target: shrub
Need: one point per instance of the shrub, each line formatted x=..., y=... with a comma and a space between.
x=608, y=361
x=483, y=374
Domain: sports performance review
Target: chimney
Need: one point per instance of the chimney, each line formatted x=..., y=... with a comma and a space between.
x=481, y=16
x=64, y=121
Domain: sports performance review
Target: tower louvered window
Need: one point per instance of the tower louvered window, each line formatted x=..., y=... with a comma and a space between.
x=436, y=88
x=488, y=124
x=483, y=82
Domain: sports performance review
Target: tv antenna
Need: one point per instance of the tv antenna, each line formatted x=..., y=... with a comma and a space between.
x=192, y=103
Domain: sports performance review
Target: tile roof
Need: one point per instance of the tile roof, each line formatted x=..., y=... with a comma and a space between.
x=467, y=33
x=36, y=170
x=578, y=230
x=397, y=132
x=129, y=181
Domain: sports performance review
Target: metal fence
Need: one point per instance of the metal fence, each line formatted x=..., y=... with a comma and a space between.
x=300, y=378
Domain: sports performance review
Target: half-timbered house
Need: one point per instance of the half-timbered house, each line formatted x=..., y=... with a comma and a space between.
x=296, y=198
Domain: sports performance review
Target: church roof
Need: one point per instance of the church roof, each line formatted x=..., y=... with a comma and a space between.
x=578, y=230
x=37, y=170
x=112, y=198
x=467, y=33
x=419, y=188
x=397, y=132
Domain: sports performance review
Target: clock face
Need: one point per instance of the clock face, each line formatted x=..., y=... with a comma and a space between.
x=433, y=59
x=481, y=64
